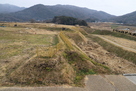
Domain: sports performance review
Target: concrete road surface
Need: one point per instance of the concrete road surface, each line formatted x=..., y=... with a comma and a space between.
x=93, y=83
x=132, y=78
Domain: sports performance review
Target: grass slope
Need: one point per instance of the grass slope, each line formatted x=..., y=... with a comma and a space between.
x=114, y=49
x=116, y=34
x=60, y=60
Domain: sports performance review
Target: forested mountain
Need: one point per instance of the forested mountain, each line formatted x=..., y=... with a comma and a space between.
x=44, y=12
x=126, y=19
x=7, y=8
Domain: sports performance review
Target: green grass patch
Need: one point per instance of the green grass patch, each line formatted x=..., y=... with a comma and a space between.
x=81, y=74
x=87, y=71
x=82, y=66
x=10, y=50
x=29, y=38
x=95, y=63
x=131, y=56
x=13, y=43
x=55, y=40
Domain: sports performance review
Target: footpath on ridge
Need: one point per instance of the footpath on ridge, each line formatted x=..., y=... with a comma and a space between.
x=116, y=44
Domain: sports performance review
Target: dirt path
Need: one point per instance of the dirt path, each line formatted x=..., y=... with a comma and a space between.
x=123, y=43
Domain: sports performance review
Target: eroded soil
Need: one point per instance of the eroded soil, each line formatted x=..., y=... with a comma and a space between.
x=117, y=64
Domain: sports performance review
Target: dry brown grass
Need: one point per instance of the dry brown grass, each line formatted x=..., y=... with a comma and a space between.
x=101, y=26
x=18, y=47
x=61, y=57
x=66, y=40
x=122, y=41
x=41, y=71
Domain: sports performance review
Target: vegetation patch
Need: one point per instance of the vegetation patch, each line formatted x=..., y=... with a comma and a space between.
x=80, y=65
x=66, y=40
x=75, y=36
x=42, y=71
x=68, y=21
x=55, y=40
x=60, y=59
x=56, y=29
x=83, y=66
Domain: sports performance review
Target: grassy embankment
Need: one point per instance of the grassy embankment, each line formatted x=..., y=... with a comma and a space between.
x=115, y=34
x=131, y=56
x=81, y=63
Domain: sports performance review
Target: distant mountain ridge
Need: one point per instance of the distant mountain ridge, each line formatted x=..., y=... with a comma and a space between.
x=126, y=19
x=7, y=8
x=44, y=12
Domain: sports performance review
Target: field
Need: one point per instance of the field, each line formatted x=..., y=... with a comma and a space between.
x=122, y=41
x=45, y=54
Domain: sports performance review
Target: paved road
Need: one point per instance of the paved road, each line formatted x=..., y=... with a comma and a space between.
x=121, y=83
x=93, y=83
x=132, y=78
x=98, y=83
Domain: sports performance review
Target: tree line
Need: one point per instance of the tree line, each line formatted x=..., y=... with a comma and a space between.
x=68, y=21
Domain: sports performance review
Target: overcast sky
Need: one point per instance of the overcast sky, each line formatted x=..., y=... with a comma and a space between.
x=114, y=7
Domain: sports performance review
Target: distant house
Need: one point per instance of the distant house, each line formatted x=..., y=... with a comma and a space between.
x=125, y=29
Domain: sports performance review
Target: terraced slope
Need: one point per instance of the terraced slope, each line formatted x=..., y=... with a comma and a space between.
x=53, y=55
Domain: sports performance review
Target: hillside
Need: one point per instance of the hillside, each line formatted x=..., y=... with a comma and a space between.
x=42, y=12
x=7, y=8
x=126, y=19
x=41, y=54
